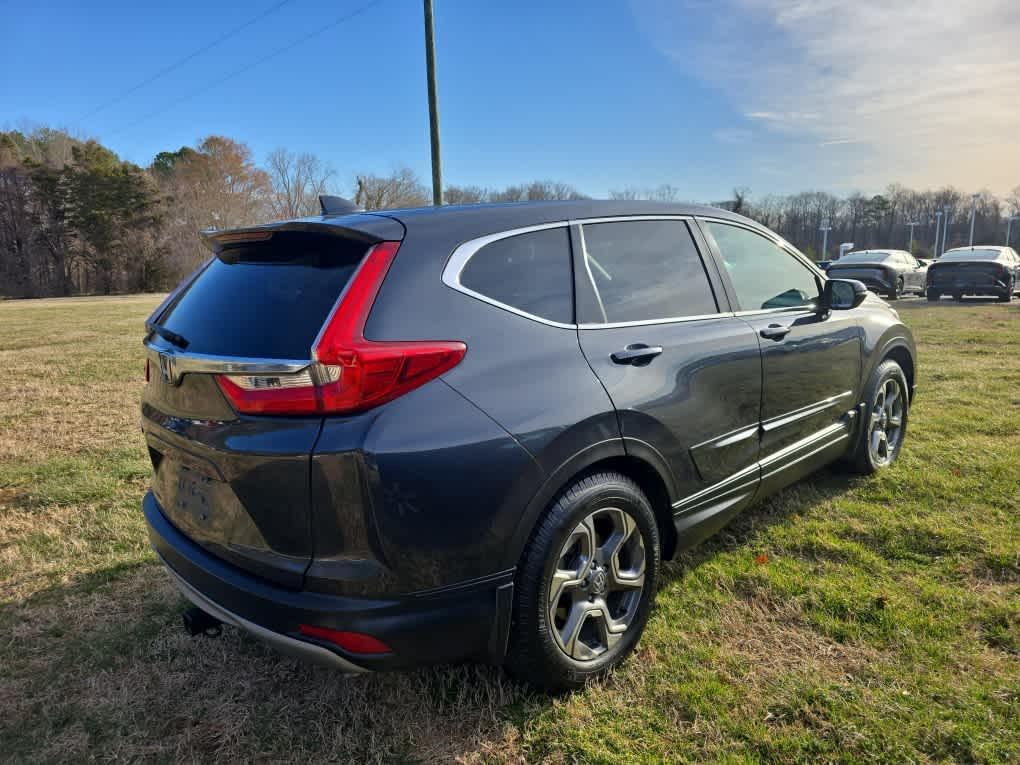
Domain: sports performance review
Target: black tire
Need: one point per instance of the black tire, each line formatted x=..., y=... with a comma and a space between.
x=863, y=458
x=1007, y=296
x=895, y=292
x=958, y=297
x=933, y=296
x=534, y=655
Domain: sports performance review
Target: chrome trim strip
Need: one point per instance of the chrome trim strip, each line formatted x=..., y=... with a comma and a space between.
x=284, y=644
x=804, y=443
x=185, y=363
x=464, y=252
x=738, y=481
x=845, y=435
x=709, y=491
x=649, y=322
x=799, y=414
x=804, y=309
x=728, y=439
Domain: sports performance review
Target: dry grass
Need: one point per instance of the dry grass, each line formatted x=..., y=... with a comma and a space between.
x=844, y=620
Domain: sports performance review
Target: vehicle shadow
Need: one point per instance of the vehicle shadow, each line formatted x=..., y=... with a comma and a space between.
x=100, y=666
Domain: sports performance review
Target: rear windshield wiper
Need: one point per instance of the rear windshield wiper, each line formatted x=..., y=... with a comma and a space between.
x=169, y=335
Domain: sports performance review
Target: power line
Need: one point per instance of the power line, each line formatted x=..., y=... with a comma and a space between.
x=182, y=61
x=258, y=62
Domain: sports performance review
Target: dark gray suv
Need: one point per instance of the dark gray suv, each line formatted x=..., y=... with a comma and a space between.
x=381, y=440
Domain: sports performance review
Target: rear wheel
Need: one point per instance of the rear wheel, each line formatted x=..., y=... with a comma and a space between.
x=885, y=421
x=1007, y=296
x=896, y=291
x=585, y=584
x=933, y=295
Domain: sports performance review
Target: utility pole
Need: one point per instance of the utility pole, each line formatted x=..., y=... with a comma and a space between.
x=1009, y=226
x=973, y=214
x=911, y=247
x=430, y=67
x=945, y=227
x=825, y=228
x=938, y=228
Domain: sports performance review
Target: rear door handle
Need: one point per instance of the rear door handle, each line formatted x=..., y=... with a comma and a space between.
x=637, y=354
x=775, y=332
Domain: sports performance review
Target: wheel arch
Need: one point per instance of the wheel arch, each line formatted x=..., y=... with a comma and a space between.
x=902, y=356
x=653, y=479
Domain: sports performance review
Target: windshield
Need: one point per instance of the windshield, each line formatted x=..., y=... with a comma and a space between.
x=969, y=254
x=864, y=257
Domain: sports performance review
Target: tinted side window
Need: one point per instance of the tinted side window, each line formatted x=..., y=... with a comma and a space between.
x=530, y=272
x=645, y=270
x=763, y=274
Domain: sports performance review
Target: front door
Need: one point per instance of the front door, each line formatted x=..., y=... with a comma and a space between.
x=683, y=373
x=811, y=361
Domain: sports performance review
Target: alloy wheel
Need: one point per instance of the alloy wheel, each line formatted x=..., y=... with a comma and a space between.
x=886, y=425
x=596, y=587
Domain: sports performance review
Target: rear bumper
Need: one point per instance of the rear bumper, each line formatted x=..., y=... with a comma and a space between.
x=467, y=621
x=963, y=287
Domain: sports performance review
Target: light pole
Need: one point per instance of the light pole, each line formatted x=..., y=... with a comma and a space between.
x=938, y=228
x=911, y=247
x=430, y=69
x=825, y=229
x=1009, y=226
x=945, y=227
x=973, y=214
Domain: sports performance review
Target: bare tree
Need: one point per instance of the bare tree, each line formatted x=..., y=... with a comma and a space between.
x=465, y=195
x=298, y=180
x=386, y=192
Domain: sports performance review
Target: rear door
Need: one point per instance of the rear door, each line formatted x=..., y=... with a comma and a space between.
x=239, y=485
x=683, y=374
x=811, y=361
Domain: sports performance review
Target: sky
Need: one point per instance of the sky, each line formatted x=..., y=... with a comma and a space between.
x=705, y=95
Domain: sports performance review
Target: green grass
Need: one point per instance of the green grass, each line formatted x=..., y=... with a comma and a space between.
x=846, y=619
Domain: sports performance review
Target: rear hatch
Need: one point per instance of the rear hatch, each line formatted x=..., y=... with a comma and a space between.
x=238, y=484
x=949, y=274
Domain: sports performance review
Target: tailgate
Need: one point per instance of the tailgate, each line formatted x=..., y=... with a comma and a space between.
x=239, y=485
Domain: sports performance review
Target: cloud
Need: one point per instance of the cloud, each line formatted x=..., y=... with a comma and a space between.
x=926, y=90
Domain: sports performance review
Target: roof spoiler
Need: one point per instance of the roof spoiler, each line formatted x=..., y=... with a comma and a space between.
x=337, y=205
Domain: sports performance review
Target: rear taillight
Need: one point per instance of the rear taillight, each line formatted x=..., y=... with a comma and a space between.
x=349, y=373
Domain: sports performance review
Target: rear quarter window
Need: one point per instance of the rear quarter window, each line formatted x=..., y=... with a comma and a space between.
x=528, y=272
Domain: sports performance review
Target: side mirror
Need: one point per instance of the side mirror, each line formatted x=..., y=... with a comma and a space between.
x=842, y=294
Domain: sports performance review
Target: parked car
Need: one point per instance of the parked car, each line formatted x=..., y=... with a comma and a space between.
x=890, y=272
x=984, y=270
x=381, y=440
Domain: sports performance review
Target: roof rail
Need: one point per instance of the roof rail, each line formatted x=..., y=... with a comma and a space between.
x=337, y=205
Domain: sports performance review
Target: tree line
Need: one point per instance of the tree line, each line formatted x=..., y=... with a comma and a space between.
x=76, y=219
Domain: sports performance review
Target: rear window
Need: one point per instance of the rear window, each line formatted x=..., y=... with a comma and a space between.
x=969, y=254
x=265, y=300
x=864, y=257
x=530, y=272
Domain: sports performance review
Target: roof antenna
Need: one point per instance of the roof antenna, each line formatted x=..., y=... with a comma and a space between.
x=337, y=205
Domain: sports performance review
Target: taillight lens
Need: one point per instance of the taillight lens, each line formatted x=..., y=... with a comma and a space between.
x=349, y=373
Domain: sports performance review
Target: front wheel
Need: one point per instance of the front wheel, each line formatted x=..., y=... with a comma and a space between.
x=933, y=296
x=880, y=436
x=585, y=584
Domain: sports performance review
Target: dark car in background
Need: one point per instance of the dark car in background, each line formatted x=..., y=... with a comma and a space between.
x=890, y=272
x=382, y=440
x=984, y=270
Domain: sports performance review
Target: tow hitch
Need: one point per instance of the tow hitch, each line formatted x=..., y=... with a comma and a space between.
x=198, y=622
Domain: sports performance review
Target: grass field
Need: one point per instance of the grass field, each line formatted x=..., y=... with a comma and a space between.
x=846, y=619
